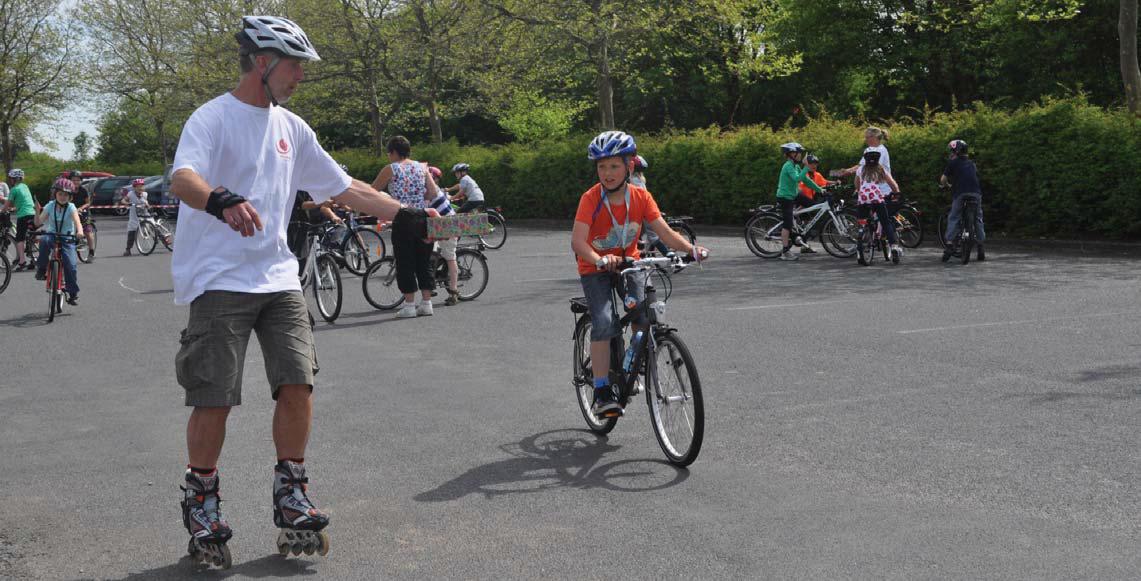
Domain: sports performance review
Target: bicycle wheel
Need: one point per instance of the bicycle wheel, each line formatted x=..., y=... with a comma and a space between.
x=8, y=246
x=498, y=236
x=327, y=288
x=908, y=228
x=968, y=235
x=379, y=285
x=87, y=252
x=145, y=240
x=584, y=378
x=6, y=277
x=32, y=248
x=53, y=290
x=473, y=273
x=836, y=236
x=166, y=237
x=762, y=235
x=674, y=397
x=361, y=248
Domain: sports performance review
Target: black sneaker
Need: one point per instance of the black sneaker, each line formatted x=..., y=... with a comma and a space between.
x=73, y=300
x=982, y=255
x=947, y=252
x=606, y=403
x=41, y=275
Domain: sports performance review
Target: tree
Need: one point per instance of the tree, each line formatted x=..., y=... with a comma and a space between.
x=34, y=48
x=1130, y=73
x=82, y=143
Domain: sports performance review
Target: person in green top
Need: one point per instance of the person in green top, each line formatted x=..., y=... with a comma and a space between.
x=791, y=175
x=20, y=198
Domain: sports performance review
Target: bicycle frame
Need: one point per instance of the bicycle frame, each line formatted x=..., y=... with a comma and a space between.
x=822, y=209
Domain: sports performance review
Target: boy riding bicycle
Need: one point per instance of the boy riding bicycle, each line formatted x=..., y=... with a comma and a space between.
x=963, y=178
x=60, y=217
x=606, y=230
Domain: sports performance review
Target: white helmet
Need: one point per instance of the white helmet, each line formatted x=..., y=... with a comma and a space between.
x=275, y=33
x=16, y=173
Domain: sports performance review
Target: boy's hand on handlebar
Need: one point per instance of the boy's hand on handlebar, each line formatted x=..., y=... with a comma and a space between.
x=699, y=253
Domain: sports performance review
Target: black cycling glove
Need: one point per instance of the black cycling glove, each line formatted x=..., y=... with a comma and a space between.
x=219, y=201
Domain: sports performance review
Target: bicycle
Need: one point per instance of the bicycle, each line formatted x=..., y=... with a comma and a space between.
x=7, y=266
x=677, y=410
x=830, y=218
x=55, y=276
x=498, y=235
x=382, y=292
x=359, y=246
x=967, y=239
x=870, y=239
x=908, y=227
x=86, y=252
x=8, y=236
x=319, y=270
x=152, y=229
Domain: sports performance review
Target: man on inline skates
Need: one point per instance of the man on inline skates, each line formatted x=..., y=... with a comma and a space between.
x=240, y=161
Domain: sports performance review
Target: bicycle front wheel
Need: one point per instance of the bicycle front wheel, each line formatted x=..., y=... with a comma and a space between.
x=674, y=397
x=146, y=240
x=167, y=238
x=908, y=228
x=53, y=290
x=6, y=277
x=498, y=235
x=361, y=248
x=836, y=236
x=327, y=288
x=379, y=285
x=762, y=235
x=87, y=253
x=473, y=273
x=584, y=378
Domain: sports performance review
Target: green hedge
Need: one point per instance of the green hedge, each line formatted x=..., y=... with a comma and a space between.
x=1059, y=169
x=41, y=170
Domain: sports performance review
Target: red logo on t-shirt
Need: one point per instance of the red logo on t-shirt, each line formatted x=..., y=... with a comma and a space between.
x=283, y=146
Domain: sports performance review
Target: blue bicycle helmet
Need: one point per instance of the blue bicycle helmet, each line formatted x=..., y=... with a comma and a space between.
x=611, y=144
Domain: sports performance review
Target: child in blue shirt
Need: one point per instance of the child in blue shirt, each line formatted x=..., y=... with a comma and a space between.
x=60, y=217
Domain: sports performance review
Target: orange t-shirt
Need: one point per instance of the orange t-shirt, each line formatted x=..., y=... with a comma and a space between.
x=820, y=181
x=603, y=236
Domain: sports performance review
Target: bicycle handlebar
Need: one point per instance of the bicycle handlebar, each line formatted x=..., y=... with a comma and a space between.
x=674, y=260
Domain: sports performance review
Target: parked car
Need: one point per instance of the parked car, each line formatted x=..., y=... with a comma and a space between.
x=105, y=192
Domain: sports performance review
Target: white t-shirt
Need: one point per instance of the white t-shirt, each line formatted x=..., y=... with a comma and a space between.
x=470, y=189
x=265, y=155
x=3, y=190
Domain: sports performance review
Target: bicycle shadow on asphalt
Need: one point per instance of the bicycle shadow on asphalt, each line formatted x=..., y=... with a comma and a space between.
x=268, y=566
x=554, y=460
x=29, y=321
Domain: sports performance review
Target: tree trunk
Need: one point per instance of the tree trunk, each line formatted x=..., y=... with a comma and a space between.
x=160, y=125
x=434, y=121
x=6, y=137
x=1130, y=73
x=376, y=126
x=605, y=87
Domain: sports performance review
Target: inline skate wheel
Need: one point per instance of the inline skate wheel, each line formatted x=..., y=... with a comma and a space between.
x=323, y=544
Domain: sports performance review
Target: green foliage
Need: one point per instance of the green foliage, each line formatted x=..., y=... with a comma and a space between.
x=533, y=117
x=1060, y=169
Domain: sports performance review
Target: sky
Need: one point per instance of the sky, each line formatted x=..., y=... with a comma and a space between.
x=76, y=118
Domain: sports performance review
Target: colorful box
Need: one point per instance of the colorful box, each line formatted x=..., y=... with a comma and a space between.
x=456, y=225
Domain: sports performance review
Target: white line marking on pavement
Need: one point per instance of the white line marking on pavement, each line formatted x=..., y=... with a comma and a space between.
x=789, y=305
x=1022, y=322
x=559, y=279
x=138, y=292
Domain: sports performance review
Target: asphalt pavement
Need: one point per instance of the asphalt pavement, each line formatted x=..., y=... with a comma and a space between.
x=921, y=421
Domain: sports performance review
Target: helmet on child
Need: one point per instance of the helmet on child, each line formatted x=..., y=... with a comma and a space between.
x=460, y=167
x=138, y=182
x=16, y=174
x=792, y=147
x=640, y=163
x=872, y=156
x=63, y=185
x=957, y=146
x=435, y=171
x=611, y=144
x=74, y=174
x=812, y=158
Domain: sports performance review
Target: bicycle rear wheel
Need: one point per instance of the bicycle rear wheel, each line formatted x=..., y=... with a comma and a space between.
x=584, y=378
x=498, y=236
x=908, y=228
x=674, y=397
x=969, y=232
x=361, y=248
x=473, y=273
x=8, y=246
x=145, y=240
x=762, y=235
x=87, y=252
x=327, y=288
x=379, y=285
x=6, y=276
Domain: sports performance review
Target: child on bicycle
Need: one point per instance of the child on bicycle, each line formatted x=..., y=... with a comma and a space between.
x=606, y=230
x=792, y=173
x=60, y=217
x=136, y=200
x=873, y=184
x=468, y=190
x=807, y=196
x=963, y=177
x=447, y=247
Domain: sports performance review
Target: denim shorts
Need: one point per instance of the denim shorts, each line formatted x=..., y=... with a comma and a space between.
x=597, y=288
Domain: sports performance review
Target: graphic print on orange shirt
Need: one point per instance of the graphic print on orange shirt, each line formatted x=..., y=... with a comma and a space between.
x=603, y=236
